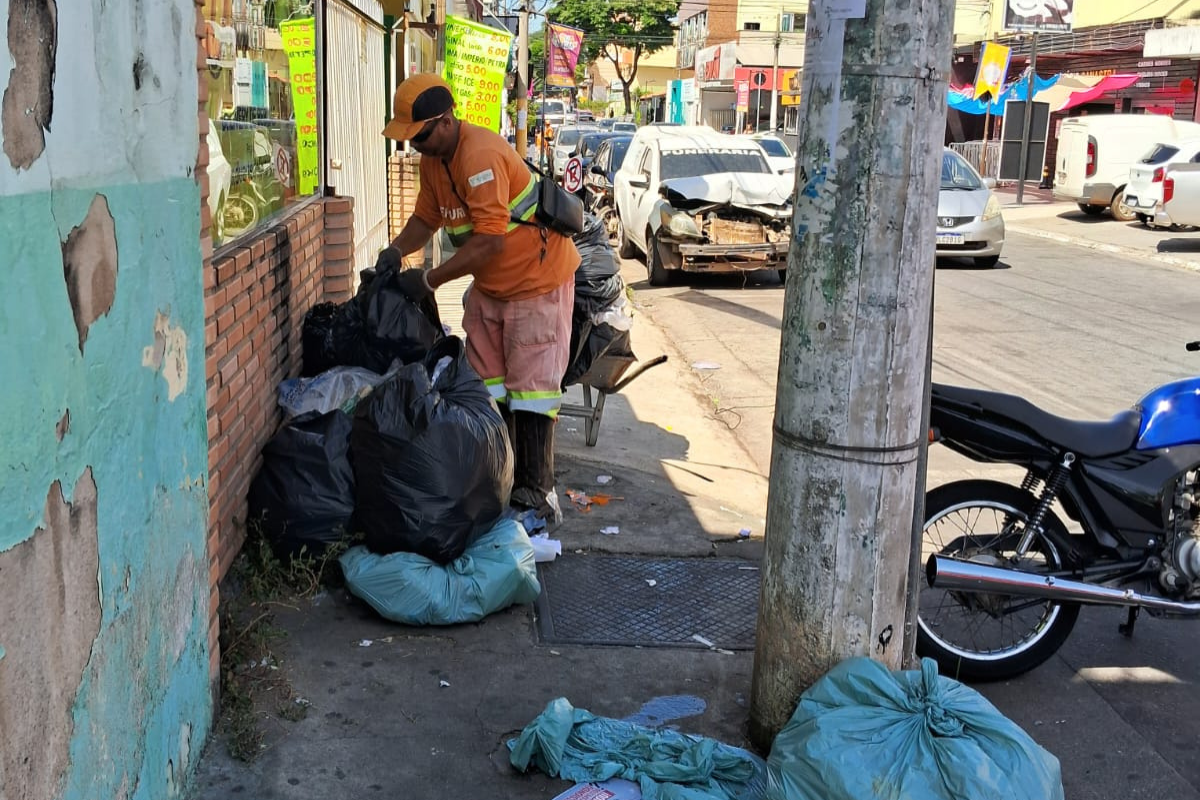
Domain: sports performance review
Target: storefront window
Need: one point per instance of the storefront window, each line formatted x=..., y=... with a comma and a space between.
x=262, y=107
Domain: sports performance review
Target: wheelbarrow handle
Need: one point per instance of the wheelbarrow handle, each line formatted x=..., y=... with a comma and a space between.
x=638, y=370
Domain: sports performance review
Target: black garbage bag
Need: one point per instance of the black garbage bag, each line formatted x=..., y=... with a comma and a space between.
x=316, y=336
x=432, y=460
x=395, y=325
x=597, y=279
x=372, y=329
x=303, y=496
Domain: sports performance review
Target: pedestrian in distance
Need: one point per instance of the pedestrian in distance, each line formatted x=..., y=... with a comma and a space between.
x=518, y=313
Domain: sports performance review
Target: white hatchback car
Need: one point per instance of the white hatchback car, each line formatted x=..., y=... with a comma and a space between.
x=969, y=219
x=779, y=155
x=1144, y=192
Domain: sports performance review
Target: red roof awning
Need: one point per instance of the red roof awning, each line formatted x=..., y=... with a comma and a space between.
x=1109, y=83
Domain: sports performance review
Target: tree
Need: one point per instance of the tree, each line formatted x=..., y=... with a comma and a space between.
x=636, y=27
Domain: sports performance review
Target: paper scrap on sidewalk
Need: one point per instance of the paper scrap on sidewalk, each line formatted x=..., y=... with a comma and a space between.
x=365, y=643
x=612, y=789
x=444, y=684
x=744, y=533
x=611, y=530
x=651, y=582
x=544, y=548
x=603, y=479
x=705, y=365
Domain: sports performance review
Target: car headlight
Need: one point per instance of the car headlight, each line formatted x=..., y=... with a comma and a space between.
x=992, y=209
x=678, y=223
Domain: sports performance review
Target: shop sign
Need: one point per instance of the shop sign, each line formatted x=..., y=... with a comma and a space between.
x=476, y=57
x=299, y=42
x=716, y=64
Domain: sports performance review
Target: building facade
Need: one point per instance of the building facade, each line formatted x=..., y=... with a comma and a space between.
x=1163, y=79
x=748, y=58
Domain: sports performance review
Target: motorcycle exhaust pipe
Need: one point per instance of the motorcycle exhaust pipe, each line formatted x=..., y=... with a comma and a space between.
x=966, y=576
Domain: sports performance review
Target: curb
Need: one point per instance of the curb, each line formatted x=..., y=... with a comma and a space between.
x=1170, y=261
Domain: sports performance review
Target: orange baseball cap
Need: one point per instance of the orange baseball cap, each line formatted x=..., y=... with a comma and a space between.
x=417, y=100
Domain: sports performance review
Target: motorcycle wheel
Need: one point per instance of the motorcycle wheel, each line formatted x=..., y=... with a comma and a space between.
x=987, y=637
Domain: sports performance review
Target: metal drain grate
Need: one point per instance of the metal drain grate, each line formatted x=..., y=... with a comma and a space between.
x=609, y=600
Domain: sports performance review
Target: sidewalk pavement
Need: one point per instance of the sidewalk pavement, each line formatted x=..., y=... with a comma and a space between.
x=1043, y=216
x=383, y=721
x=424, y=713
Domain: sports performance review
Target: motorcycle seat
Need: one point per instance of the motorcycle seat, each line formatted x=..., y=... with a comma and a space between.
x=1087, y=439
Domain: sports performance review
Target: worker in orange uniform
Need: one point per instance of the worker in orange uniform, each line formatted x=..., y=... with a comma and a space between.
x=518, y=312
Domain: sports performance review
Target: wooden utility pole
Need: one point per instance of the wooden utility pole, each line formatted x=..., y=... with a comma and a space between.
x=856, y=323
x=522, y=87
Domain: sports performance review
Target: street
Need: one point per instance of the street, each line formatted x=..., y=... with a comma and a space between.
x=1081, y=332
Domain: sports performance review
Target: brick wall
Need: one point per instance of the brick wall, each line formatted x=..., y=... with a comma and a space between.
x=722, y=25
x=255, y=297
x=403, y=184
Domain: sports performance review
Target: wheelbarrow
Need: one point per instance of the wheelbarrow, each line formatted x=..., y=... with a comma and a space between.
x=608, y=374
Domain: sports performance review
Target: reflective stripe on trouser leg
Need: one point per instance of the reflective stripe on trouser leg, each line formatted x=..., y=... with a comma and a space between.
x=496, y=389
x=546, y=403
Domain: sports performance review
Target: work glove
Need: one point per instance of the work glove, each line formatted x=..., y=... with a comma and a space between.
x=414, y=284
x=389, y=259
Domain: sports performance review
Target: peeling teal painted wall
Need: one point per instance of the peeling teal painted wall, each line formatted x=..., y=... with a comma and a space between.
x=129, y=403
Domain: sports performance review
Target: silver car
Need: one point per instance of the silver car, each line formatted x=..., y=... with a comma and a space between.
x=969, y=219
x=566, y=139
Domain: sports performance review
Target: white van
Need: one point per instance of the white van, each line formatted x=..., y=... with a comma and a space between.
x=1096, y=152
x=1144, y=192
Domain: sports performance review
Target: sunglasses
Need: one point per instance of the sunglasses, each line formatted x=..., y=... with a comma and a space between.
x=427, y=131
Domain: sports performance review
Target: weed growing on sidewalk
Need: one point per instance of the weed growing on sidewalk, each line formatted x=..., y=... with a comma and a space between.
x=254, y=688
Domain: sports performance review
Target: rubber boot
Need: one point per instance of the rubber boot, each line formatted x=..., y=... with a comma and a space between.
x=533, y=477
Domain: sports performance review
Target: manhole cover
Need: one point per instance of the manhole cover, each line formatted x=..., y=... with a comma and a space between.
x=610, y=600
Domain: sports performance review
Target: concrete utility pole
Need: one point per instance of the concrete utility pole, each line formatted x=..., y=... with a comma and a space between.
x=856, y=321
x=1027, y=126
x=522, y=87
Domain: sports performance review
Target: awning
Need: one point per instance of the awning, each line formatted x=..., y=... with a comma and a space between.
x=960, y=98
x=1109, y=83
x=1061, y=92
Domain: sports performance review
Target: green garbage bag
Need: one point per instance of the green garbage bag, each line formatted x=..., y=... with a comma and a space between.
x=495, y=572
x=573, y=744
x=863, y=731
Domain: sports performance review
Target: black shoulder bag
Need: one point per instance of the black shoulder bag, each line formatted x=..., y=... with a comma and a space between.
x=557, y=209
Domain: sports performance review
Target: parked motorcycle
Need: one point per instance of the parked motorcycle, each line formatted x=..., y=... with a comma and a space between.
x=601, y=203
x=1005, y=577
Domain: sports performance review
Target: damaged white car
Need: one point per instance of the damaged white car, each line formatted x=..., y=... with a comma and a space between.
x=694, y=200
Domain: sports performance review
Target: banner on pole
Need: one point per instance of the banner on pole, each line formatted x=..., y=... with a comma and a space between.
x=742, y=95
x=993, y=66
x=562, y=54
x=476, y=58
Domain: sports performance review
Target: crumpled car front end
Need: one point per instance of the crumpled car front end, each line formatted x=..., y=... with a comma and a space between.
x=724, y=223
